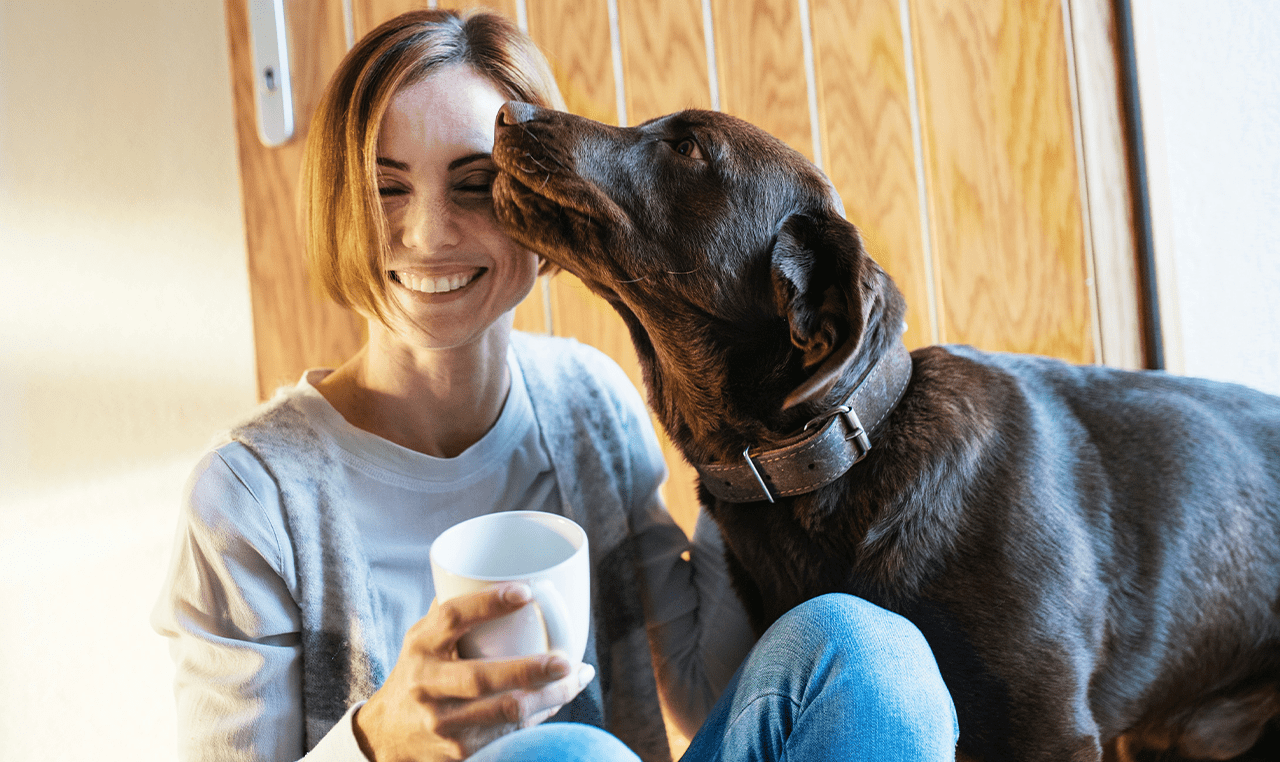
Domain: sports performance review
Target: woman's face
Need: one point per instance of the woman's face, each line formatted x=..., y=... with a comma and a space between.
x=451, y=268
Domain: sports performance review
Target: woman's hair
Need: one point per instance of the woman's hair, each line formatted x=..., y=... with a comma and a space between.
x=343, y=223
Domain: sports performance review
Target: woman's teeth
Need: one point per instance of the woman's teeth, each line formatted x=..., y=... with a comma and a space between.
x=440, y=285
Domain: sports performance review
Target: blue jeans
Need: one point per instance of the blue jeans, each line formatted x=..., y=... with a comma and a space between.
x=834, y=678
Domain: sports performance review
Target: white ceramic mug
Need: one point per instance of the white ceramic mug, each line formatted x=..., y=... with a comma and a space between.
x=545, y=551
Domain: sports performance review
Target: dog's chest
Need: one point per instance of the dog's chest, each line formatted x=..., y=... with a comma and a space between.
x=778, y=563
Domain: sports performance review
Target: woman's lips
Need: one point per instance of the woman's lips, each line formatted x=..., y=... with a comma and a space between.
x=435, y=284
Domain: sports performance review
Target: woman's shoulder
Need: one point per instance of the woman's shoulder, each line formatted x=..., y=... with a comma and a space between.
x=561, y=351
x=571, y=369
x=232, y=496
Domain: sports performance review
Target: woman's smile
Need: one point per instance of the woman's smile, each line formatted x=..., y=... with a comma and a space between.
x=436, y=284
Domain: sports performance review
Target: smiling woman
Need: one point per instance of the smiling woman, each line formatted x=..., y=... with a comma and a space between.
x=300, y=602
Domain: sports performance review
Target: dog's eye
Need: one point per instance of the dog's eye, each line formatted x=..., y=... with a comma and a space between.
x=688, y=147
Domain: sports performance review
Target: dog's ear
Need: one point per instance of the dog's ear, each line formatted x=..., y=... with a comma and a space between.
x=815, y=262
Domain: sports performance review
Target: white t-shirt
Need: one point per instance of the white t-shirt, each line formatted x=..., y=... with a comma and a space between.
x=233, y=544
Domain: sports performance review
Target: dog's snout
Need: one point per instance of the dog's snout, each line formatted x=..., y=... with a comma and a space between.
x=517, y=112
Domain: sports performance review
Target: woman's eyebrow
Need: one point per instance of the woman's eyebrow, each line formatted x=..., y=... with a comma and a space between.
x=479, y=156
x=385, y=162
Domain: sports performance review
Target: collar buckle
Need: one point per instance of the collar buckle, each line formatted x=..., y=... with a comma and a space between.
x=857, y=432
x=746, y=455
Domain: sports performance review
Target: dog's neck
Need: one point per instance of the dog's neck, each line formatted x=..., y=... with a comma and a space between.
x=826, y=446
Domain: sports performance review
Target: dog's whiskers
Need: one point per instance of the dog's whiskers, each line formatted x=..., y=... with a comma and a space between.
x=687, y=272
x=668, y=272
x=538, y=140
x=530, y=157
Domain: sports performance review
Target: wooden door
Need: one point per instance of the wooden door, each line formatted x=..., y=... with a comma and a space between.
x=977, y=143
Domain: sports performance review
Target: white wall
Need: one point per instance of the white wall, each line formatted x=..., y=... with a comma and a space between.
x=1213, y=71
x=125, y=342
x=125, y=335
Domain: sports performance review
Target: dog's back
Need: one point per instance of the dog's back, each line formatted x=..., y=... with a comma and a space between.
x=1154, y=501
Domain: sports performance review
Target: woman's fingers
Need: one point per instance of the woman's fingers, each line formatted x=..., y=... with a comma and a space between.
x=515, y=708
x=439, y=630
x=477, y=678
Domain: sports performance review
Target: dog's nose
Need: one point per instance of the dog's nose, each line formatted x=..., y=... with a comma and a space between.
x=516, y=112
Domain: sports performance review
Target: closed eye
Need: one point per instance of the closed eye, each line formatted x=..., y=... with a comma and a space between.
x=480, y=183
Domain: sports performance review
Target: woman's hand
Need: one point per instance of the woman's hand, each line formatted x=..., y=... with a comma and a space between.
x=436, y=706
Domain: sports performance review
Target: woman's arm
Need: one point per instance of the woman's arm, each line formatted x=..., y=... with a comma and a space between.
x=230, y=615
x=697, y=627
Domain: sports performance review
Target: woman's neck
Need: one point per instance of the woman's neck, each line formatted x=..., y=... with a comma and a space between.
x=434, y=401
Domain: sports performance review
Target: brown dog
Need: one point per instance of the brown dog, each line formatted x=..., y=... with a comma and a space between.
x=1094, y=555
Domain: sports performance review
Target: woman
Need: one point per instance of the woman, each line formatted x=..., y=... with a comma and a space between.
x=300, y=604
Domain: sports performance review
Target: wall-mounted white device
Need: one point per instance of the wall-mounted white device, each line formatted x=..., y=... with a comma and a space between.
x=272, y=95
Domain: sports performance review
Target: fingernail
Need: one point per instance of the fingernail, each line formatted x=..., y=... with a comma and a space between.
x=519, y=593
x=586, y=673
x=557, y=667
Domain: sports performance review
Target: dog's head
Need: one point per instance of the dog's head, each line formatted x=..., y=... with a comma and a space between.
x=748, y=296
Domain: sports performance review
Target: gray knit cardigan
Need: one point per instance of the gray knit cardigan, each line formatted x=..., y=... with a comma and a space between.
x=588, y=431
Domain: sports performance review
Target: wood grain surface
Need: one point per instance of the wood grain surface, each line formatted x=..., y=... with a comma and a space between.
x=670, y=32
x=367, y=14
x=575, y=36
x=1003, y=185
x=1106, y=187
x=295, y=326
x=864, y=105
x=760, y=65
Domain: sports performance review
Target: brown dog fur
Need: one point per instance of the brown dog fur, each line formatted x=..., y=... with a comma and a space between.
x=1094, y=555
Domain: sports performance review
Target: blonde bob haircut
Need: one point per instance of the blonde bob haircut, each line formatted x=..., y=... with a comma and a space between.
x=344, y=228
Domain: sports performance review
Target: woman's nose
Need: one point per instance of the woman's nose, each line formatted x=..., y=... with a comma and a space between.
x=426, y=225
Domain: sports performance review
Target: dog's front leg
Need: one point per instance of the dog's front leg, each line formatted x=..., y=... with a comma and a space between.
x=748, y=591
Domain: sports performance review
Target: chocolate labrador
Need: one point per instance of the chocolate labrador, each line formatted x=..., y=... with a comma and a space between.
x=1093, y=554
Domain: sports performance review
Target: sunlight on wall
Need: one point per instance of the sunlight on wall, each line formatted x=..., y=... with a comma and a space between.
x=126, y=342
x=1219, y=79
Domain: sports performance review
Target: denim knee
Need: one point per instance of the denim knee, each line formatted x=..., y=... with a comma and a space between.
x=557, y=742
x=882, y=664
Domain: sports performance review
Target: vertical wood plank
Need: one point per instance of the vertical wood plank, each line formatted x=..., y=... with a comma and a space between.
x=576, y=40
x=664, y=58
x=1002, y=175
x=295, y=327
x=868, y=150
x=760, y=62
x=1106, y=181
x=367, y=14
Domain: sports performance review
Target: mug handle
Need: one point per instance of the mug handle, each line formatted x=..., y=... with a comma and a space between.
x=555, y=616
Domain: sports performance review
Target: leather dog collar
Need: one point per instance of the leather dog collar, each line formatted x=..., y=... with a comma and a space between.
x=817, y=456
